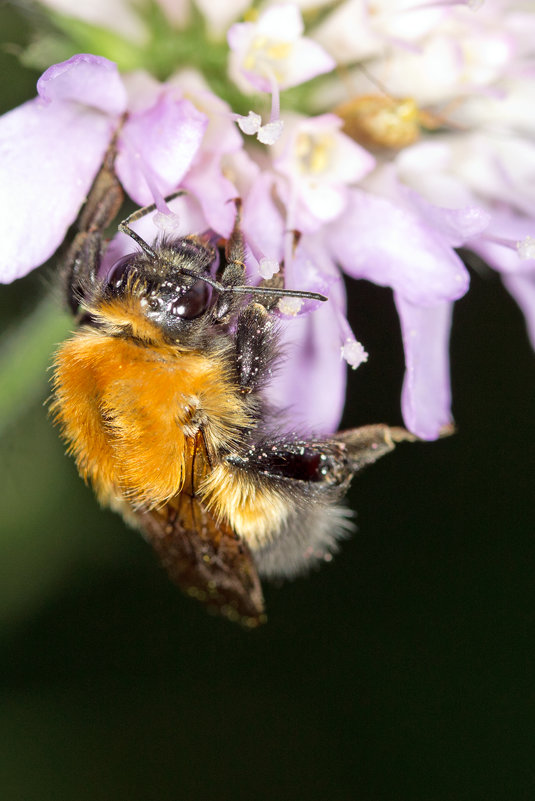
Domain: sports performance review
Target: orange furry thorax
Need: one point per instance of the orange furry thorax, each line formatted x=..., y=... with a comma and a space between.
x=127, y=400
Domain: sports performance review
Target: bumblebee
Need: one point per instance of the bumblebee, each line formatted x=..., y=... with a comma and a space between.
x=159, y=397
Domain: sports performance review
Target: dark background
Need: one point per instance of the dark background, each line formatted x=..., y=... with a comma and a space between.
x=402, y=671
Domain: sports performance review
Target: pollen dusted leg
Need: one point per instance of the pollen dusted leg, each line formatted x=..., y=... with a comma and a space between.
x=256, y=345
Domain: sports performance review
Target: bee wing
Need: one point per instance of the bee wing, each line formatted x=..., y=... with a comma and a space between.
x=202, y=555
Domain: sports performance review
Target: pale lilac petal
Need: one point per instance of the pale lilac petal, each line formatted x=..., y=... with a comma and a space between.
x=142, y=89
x=319, y=161
x=391, y=246
x=456, y=226
x=311, y=269
x=221, y=135
x=89, y=80
x=239, y=35
x=426, y=394
x=428, y=168
x=309, y=386
x=262, y=223
x=158, y=145
x=506, y=224
x=338, y=33
x=349, y=161
x=49, y=156
x=214, y=193
x=308, y=60
x=521, y=286
x=323, y=201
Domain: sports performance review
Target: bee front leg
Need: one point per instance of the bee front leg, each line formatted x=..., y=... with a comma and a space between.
x=81, y=265
x=256, y=346
x=233, y=273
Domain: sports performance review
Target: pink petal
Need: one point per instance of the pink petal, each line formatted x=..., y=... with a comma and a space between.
x=85, y=79
x=262, y=223
x=391, y=246
x=506, y=224
x=521, y=286
x=158, y=146
x=456, y=226
x=309, y=386
x=221, y=135
x=426, y=394
x=214, y=193
x=50, y=155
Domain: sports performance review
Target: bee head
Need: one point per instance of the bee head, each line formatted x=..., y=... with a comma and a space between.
x=169, y=284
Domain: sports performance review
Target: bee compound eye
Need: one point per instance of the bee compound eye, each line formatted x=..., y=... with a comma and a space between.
x=194, y=302
x=118, y=274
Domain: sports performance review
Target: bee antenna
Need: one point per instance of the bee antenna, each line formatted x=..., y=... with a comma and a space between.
x=256, y=290
x=137, y=215
x=124, y=229
x=264, y=290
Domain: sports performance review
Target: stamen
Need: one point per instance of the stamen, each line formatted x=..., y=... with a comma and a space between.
x=354, y=354
x=268, y=267
x=250, y=124
x=269, y=133
x=351, y=350
x=290, y=306
x=525, y=248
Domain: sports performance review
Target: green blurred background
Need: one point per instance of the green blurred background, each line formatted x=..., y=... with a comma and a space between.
x=402, y=671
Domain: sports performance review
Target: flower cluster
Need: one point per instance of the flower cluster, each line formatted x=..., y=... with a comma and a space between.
x=415, y=140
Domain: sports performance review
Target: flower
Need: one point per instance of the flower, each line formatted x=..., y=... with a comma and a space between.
x=420, y=142
x=272, y=54
x=273, y=50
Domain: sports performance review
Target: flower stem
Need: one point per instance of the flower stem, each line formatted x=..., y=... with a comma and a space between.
x=25, y=356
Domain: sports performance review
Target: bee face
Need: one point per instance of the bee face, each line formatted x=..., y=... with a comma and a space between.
x=168, y=298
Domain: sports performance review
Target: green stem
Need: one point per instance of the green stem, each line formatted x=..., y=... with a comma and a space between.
x=25, y=356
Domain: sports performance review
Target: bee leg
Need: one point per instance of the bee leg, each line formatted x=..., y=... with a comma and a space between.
x=81, y=265
x=256, y=345
x=233, y=273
